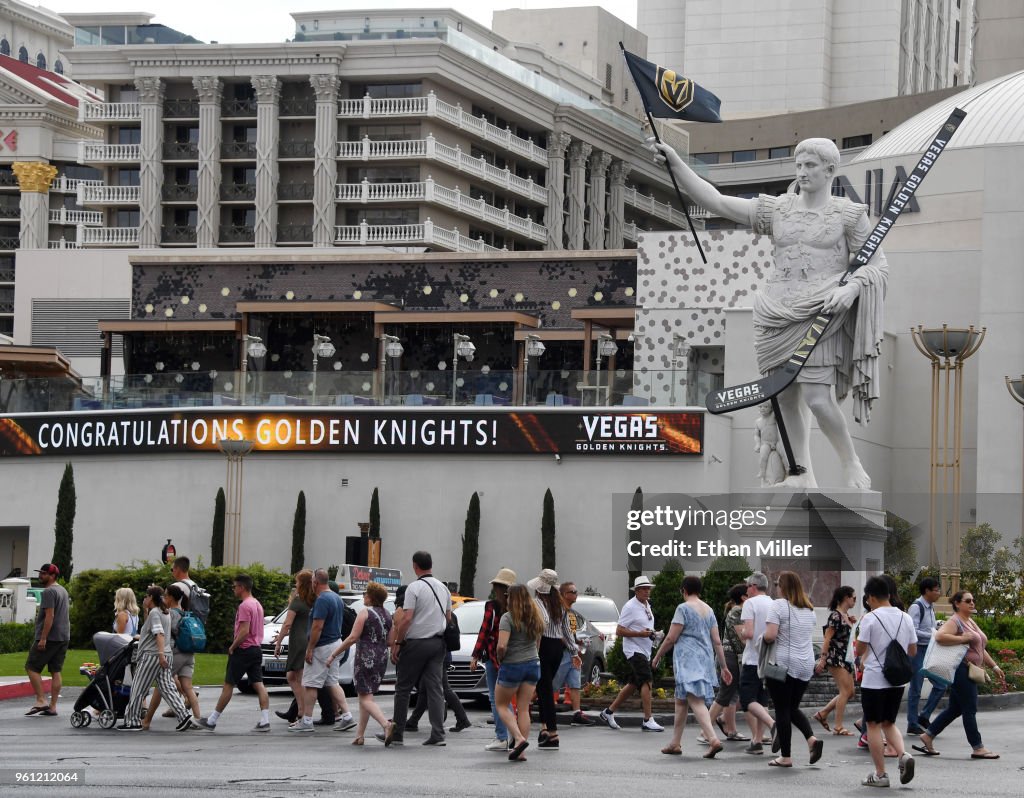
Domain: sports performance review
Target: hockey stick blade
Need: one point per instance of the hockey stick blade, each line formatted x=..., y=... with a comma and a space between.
x=754, y=393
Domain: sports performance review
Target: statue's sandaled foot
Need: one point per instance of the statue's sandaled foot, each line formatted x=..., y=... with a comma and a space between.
x=854, y=476
x=805, y=481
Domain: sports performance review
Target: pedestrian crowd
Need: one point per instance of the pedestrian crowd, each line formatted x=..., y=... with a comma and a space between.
x=528, y=647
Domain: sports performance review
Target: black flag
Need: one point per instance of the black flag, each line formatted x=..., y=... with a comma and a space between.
x=666, y=95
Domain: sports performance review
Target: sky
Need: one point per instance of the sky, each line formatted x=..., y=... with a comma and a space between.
x=232, y=21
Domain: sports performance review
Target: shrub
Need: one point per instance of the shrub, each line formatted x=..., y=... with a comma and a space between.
x=722, y=574
x=64, y=526
x=16, y=637
x=92, y=594
x=666, y=595
x=620, y=668
x=1005, y=627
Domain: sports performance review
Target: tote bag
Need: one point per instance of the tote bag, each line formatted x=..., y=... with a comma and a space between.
x=941, y=662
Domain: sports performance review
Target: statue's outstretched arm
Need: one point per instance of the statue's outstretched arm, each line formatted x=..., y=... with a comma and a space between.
x=699, y=190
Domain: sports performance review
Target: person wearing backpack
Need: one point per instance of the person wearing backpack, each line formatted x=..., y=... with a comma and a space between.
x=182, y=662
x=198, y=599
x=886, y=643
x=922, y=613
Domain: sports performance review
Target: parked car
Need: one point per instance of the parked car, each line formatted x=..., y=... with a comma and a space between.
x=603, y=613
x=273, y=667
x=472, y=685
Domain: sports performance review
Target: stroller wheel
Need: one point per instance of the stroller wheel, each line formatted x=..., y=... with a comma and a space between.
x=107, y=719
x=79, y=719
x=88, y=718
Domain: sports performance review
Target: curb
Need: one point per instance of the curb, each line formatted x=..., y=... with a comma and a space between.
x=21, y=689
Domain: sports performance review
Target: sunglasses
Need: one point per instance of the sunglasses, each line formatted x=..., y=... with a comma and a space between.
x=967, y=600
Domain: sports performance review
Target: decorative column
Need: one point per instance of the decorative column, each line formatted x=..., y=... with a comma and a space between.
x=210, y=91
x=325, y=163
x=34, y=181
x=151, y=177
x=617, y=205
x=578, y=154
x=599, y=162
x=268, y=95
x=554, y=218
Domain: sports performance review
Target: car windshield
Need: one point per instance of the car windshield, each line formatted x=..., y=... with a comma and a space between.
x=470, y=616
x=354, y=602
x=597, y=610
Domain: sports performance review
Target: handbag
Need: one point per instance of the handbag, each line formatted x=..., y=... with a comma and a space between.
x=941, y=662
x=452, y=634
x=767, y=666
x=977, y=674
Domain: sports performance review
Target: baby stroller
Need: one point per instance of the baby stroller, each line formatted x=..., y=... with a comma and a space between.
x=110, y=688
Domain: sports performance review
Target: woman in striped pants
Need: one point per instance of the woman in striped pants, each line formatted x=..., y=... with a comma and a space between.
x=154, y=663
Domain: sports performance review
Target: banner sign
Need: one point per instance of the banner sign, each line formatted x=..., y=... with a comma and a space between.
x=363, y=430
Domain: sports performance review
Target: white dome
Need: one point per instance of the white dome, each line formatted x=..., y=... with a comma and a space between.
x=995, y=115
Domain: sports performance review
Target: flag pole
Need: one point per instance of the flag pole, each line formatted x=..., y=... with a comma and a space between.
x=668, y=166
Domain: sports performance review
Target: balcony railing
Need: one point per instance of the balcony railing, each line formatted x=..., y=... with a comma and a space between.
x=237, y=234
x=68, y=216
x=368, y=108
x=238, y=192
x=296, y=149
x=178, y=234
x=109, y=236
x=662, y=209
x=244, y=150
x=429, y=191
x=295, y=191
x=8, y=178
x=431, y=148
x=426, y=233
x=629, y=231
x=10, y=211
x=99, y=194
x=70, y=185
x=180, y=192
x=239, y=107
x=298, y=106
x=181, y=151
x=181, y=109
x=7, y=274
x=108, y=112
x=63, y=243
x=8, y=243
x=294, y=233
x=91, y=152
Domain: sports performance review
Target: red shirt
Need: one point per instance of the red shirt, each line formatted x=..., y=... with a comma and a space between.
x=486, y=647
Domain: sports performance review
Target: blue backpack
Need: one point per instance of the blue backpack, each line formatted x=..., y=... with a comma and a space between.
x=191, y=634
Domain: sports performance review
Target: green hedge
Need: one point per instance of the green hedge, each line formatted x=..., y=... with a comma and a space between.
x=995, y=645
x=620, y=668
x=92, y=593
x=16, y=637
x=1003, y=627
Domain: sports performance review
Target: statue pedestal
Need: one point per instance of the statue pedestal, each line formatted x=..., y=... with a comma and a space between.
x=829, y=537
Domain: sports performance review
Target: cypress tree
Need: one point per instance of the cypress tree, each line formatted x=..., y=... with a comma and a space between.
x=217, y=538
x=470, y=547
x=635, y=565
x=547, y=532
x=299, y=534
x=375, y=514
x=64, y=526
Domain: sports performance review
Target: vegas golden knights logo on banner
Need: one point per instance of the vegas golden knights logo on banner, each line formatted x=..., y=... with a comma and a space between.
x=675, y=92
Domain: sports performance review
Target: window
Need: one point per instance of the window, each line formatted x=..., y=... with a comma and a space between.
x=127, y=219
x=744, y=155
x=857, y=141
x=706, y=157
x=243, y=175
x=385, y=174
x=41, y=61
x=625, y=94
x=780, y=152
x=87, y=36
x=23, y=55
x=956, y=41
x=58, y=67
x=608, y=76
x=382, y=216
x=112, y=34
x=127, y=177
x=243, y=217
x=386, y=132
x=5, y=47
x=185, y=217
x=382, y=90
x=129, y=135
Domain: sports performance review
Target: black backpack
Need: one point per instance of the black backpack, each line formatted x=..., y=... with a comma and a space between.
x=897, y=668
x=348, y=620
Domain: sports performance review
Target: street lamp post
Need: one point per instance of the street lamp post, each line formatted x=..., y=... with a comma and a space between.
x=464, y=348
x=677, y=339
x=947, y=347
x=322, y=347
x=235, y=451
x=252, y=346
x=534, y=348
x=1016, y=389
x=606, y=347
x=390, y=346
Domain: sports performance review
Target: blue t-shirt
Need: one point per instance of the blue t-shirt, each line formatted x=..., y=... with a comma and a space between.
x=329, y=608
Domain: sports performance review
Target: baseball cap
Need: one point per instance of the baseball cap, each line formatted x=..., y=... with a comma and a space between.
x=50, y=569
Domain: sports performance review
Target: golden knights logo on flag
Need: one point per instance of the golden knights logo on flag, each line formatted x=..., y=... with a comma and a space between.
x=666, y=94
x=675, y=92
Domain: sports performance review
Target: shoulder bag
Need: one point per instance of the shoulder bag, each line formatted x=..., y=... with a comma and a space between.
x=976, y=673
x=452, y=634
x=767, y=667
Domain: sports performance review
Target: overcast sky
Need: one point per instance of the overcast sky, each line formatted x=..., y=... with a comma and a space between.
x=262, y=21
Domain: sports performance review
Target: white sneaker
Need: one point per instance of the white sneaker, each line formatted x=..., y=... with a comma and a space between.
x=301, y=727
x=608, y=720
x=906, y=768
x=702, y=740
x=874, y=780
x=497, y=745
x=651, y=725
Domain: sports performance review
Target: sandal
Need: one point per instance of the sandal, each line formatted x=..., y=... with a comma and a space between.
x=713, y=750
x=736, y=737
x=927, y=750
x=816, y=749
x=842, y=732
x=358, y=741
x=778, y=763
x=517, y=752
x=822, y=720
x=986, y=755
x=672, y=750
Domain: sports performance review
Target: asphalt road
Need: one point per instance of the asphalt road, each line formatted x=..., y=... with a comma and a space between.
x=592, y=762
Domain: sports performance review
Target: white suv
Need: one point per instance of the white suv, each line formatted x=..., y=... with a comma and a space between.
x=603, y=613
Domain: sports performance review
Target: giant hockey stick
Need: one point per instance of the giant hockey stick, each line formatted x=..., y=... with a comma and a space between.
x=770, y=386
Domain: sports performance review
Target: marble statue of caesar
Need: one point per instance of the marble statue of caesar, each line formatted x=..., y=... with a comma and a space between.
x=815, y=235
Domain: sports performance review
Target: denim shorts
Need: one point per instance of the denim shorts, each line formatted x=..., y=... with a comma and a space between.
x=513, y=674
x=566, y=674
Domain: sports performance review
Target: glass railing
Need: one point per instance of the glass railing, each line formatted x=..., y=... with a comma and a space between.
x=330, y=387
